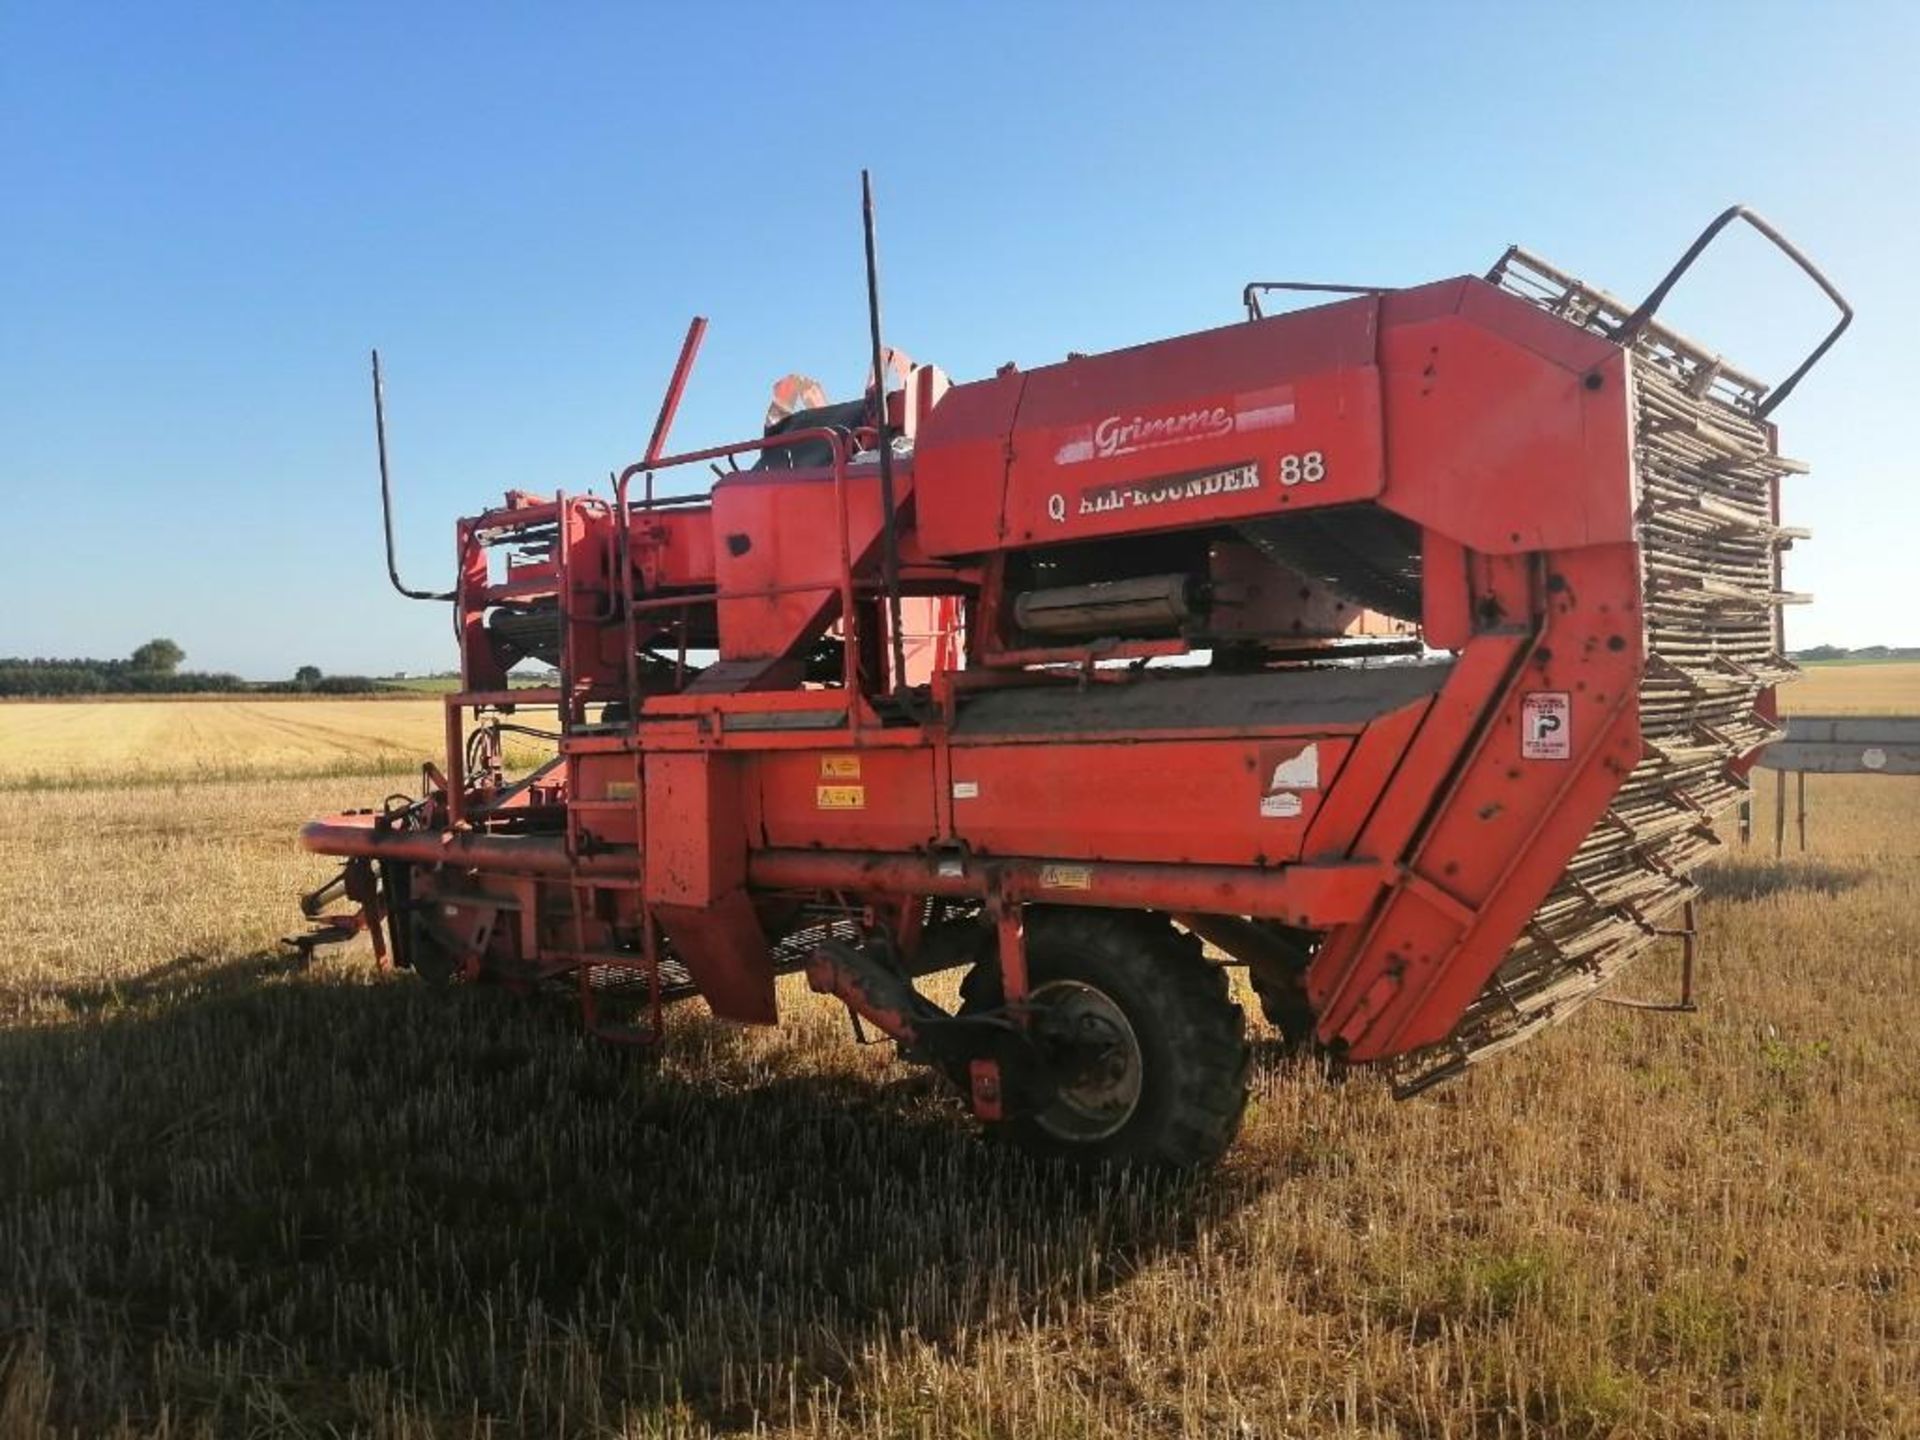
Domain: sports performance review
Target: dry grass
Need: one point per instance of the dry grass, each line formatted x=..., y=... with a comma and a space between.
x=66, y=744
x=237, y=1197
x=1889, y=689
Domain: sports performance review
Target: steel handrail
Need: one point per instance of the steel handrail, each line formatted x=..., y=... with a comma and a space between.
x=1635, y=325
x=836, y=442
x=1250, y=296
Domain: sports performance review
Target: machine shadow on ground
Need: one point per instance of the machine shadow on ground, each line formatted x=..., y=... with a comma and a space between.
x=1737, y=877
x=245, y=1177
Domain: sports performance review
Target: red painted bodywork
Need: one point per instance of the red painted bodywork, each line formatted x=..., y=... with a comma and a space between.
x=1424, y=842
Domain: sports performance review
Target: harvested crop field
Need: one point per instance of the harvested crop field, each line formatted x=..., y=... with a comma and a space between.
x=239, y=1196
x=1892, y=688
x=143, y=742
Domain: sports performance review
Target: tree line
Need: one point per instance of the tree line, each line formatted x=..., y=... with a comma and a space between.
x=1863, y=652
x=154, y=669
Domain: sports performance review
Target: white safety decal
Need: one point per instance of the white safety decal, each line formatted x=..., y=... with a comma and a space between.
x=1286, y=769
x=1301, y=772
x=1546, y=725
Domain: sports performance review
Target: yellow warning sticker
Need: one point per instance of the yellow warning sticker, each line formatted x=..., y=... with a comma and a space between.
x=839, y=767
x=840, y=797
x=1066, y=877
x=620, y=790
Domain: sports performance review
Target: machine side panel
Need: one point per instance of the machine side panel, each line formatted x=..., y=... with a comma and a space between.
x=776, y=539
x=1505, y=437
x=1230, y=769
x=726, y=953
x=1369, y=770
x=1340, y=698
x=1224, y=801
x=696, y=846
x=673, y=547
x=1552, y=741
x=694, y=880
x=847, y=799
x=603, y=793
x=960, y=464
x=1244, y=421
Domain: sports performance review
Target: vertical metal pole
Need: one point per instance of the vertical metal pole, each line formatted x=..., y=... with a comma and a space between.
x=1779, y=813
x=589, y=1003
x=849, y=619
x=1689, y=939
x=1746, y=820
x=1800, y=806
x=890, y=548
x=662, y=424
x=676, y=387
x=563, y=562
x=650, y=952
x=386, y=489
x=623, y=518
x=456, y=760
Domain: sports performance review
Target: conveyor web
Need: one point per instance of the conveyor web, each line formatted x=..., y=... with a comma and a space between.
x=1704, y=475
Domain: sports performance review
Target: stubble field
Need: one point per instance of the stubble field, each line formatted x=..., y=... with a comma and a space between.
x=240, y=1197
x=143, y=742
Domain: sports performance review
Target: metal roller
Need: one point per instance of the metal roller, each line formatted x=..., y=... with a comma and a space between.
x=1149, y=605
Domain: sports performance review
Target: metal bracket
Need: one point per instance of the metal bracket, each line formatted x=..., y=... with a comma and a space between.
x=1688, y=933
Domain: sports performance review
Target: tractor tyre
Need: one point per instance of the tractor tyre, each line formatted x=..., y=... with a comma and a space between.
x=1168, y=1082
x=428, y=954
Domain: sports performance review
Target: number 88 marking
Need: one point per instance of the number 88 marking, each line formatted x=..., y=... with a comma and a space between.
x=1307, y=469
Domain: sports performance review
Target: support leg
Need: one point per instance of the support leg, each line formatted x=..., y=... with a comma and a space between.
x=1689, y=949
x=1011, y=933
x=1779, y=813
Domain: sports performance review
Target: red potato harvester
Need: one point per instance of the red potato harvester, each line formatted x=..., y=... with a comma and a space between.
x=1402, y=649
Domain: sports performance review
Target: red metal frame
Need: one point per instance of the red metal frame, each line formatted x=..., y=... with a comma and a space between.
x=1422, y=839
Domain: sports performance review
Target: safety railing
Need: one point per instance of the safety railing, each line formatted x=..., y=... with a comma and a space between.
x=633, y=607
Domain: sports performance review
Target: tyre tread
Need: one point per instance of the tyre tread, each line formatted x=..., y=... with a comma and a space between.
x=1204, y=1031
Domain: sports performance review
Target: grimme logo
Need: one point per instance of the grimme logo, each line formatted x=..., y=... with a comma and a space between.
x=1128, y=434
x=1122, y=434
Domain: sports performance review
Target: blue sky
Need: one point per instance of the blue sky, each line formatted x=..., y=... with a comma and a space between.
x=208, y=214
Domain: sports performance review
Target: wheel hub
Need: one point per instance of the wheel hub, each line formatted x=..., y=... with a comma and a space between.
x=1095, y=1055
